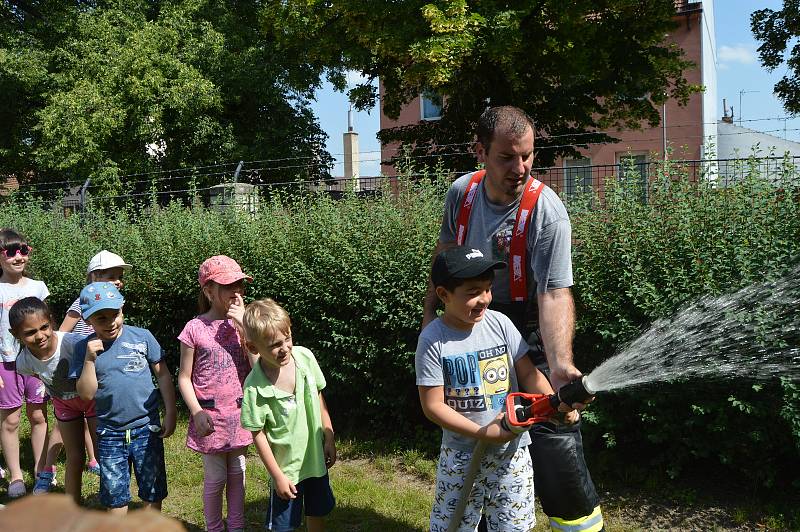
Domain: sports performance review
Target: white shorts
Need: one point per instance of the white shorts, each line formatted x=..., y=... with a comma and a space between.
x=503, y=491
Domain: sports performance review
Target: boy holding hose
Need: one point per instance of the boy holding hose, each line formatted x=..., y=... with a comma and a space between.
x=467, y=362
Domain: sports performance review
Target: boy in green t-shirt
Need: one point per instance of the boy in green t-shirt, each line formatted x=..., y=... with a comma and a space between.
x=292, y=430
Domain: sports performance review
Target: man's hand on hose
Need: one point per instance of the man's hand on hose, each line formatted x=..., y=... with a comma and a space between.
x=564, y=375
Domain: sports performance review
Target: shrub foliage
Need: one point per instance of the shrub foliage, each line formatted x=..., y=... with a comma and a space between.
x=352, y=274
x=635, y=262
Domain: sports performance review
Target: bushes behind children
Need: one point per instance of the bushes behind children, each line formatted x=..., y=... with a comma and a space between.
x=349, y=272
x=352, y=274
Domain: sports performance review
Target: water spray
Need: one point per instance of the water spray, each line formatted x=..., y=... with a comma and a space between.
x=753, y=333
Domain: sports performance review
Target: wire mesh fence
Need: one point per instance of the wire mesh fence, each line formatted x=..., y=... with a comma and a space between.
x=571, y=180
x=251, y=187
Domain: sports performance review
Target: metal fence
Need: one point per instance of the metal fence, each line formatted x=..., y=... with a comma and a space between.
x=572, y=180
x=568, y=180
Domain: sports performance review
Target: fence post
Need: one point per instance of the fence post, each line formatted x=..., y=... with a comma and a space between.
x=82, y=200
x=82, y=203
x=236, y=173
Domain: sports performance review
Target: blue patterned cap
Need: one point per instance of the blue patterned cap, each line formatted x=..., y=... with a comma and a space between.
x=99, y=296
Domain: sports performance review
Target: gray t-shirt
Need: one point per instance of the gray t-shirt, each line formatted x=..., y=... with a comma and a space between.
x=10, y=294
x=490, y=226
x=55, y=370
x=476, y=369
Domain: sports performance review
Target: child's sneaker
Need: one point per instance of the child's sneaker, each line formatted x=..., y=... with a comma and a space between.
x=45, y=481
x=16, y=489
x=93, y=467
x=2, y=473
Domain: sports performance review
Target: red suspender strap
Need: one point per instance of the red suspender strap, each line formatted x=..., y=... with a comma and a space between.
x=466, y=207
x=518, y=251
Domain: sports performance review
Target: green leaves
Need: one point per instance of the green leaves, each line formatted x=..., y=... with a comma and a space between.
x=573, y=66
x=454, y=33
x=94, y=88
x=775, y=30
x=635, y=262
x=352, y=274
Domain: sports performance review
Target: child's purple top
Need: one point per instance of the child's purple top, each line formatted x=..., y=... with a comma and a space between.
x=218, y=372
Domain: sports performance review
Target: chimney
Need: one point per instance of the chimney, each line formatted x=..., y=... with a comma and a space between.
x=351, y=156
x=725, y=118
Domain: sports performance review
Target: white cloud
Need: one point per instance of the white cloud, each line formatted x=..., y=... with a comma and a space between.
x=354, y=78
x=737, y=54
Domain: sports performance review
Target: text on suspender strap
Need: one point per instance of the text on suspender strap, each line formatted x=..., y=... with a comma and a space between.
x=466, y=207
x=518, y=251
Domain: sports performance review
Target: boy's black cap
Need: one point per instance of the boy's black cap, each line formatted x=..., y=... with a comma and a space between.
x=461, y=262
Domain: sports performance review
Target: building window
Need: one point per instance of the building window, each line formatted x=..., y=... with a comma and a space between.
x=577, y=176
x=633, y=170
x=430, y=105
x=633, y=164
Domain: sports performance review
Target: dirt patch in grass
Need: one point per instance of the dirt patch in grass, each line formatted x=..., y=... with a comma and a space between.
x=671, y=508
x=637, y=512
x=696, y=508
x=391, y=470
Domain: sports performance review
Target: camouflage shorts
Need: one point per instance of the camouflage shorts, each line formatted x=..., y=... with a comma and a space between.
x=503, y=491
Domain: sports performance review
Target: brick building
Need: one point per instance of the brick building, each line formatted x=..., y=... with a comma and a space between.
x=686, y=130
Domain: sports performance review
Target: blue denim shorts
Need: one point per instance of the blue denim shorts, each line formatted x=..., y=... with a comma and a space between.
x=117, y=451
x=286, y=515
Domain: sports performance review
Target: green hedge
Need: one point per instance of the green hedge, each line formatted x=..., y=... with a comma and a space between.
x=636, y=262
x=352, y=274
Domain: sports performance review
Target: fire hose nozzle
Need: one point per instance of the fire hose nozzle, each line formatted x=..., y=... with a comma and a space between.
x=525, y=409
x=577, y=391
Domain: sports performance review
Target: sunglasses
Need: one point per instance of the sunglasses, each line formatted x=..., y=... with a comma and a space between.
x=12, y=249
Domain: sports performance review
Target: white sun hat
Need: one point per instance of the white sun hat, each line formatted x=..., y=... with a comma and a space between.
x=106, y=260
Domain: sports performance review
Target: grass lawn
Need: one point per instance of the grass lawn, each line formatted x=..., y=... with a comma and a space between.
x=371, y=494
x=368, y=496
x=389, y=490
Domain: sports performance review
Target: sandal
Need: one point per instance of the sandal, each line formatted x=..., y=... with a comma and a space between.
x=16, y=489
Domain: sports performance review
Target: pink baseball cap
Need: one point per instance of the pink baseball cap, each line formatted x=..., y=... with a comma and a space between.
x=222, y=270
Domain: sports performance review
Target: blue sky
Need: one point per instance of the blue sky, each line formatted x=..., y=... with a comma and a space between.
x=738, y=69
x=331, y=109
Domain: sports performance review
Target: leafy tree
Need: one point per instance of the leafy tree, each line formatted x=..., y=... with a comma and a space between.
x=775, y=30
x=574, y=66
x=89, y=85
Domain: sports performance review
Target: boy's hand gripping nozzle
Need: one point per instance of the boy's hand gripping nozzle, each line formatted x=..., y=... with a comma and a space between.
x=525, y=409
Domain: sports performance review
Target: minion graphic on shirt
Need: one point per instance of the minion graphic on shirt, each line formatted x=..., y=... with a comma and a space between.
x=477, y=381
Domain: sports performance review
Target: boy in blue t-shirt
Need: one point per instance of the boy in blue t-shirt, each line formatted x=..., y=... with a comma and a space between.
x=467, y=362
x=112, y=367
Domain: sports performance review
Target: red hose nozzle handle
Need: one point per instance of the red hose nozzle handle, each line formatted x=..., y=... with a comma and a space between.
x=525, y=409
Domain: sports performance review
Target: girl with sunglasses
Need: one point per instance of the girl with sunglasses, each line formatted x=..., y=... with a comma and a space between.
x=14, y=388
